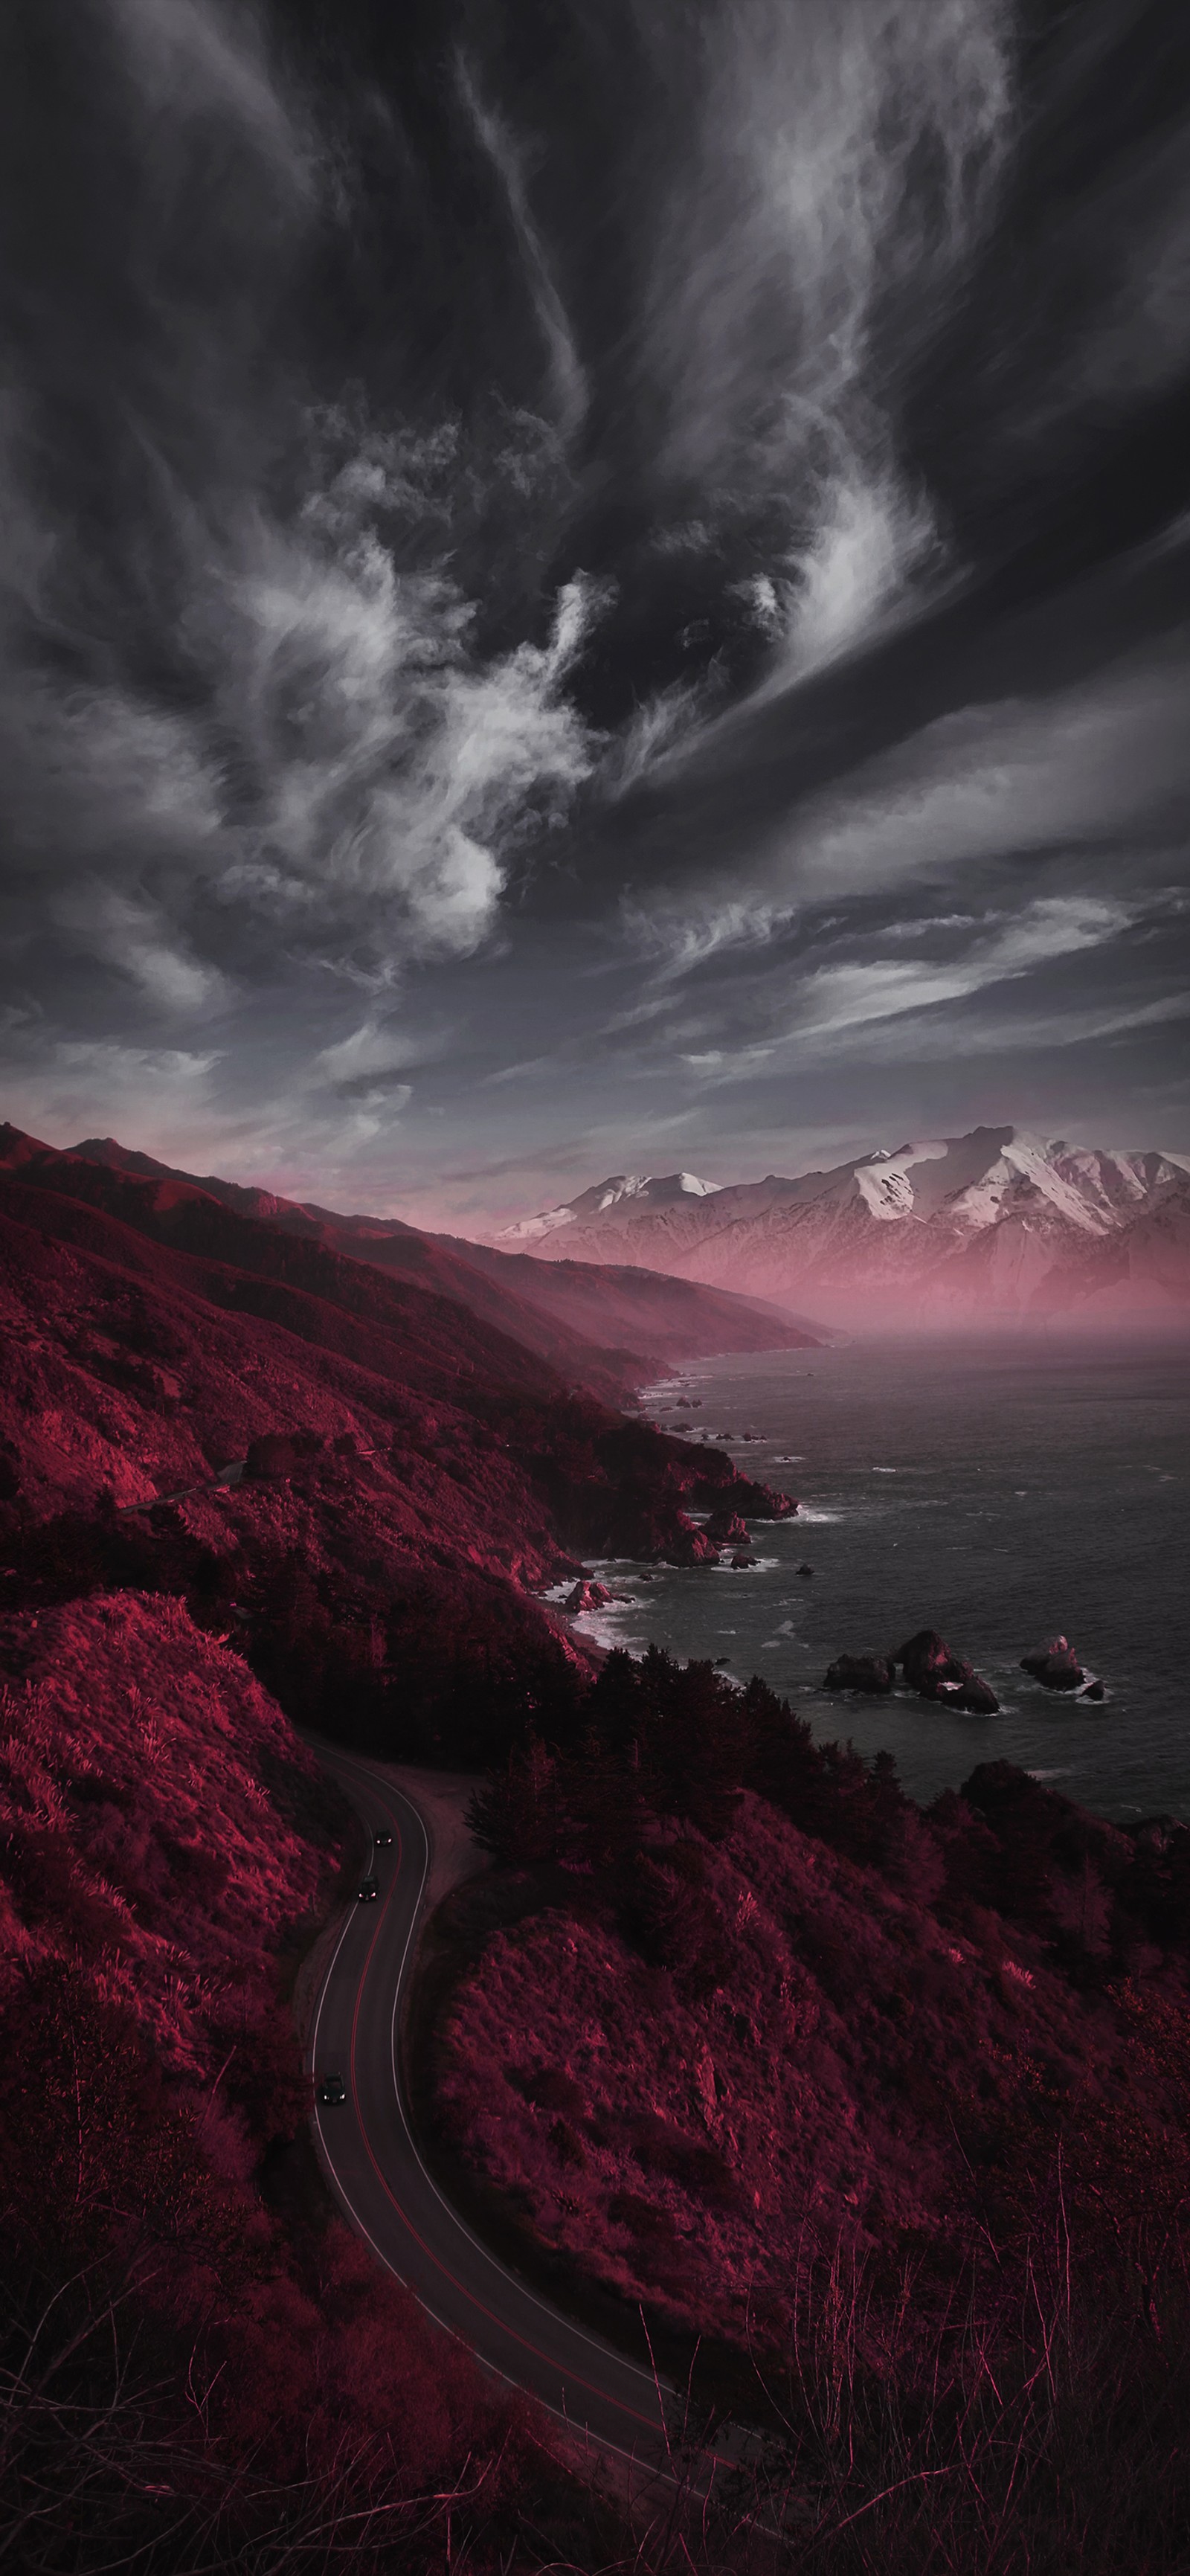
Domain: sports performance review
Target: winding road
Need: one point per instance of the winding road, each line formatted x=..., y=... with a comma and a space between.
x=369, y=2154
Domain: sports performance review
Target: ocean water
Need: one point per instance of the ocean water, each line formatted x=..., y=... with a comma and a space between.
x=999, y=1493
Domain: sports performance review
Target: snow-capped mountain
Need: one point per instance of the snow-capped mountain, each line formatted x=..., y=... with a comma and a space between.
x=996, y=1223
x=625, y=1189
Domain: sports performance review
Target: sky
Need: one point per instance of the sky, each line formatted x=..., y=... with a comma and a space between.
x=592, y=585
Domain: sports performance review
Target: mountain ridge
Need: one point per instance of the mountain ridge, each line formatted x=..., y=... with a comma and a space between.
x=998, y=1222
x=607, y=1329
x=367, y=1482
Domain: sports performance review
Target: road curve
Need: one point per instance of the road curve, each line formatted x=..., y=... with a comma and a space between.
x=370, y=2157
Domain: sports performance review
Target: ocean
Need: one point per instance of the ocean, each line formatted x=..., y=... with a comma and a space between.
x=1000, y=1493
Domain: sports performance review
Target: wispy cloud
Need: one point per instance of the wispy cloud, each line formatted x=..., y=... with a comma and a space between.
x=833, y=998
x=1076, y=767
x=134, y=937
x=509, y=159
x=371, y=1050
x=265, y=709
x=1059, y=1024
x=75, y=1087
x=798, y=220
x=844, y=1007
x=967, y=797
x=655, y=576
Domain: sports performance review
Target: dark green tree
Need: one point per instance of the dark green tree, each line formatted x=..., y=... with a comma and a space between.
x=516, y=1815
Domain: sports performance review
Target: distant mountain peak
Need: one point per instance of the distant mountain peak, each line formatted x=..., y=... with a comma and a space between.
x=997, y=1222
x=643, y=1189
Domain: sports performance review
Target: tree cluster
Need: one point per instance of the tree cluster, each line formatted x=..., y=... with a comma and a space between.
x=653, y=1741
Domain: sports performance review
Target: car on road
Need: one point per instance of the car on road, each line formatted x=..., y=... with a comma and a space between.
x=329, y=2090
x=382, y=1839
x=368, y=1893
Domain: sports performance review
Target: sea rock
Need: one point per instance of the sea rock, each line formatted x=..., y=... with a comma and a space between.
x=872, y=1673
x=804, y=1571
x=650, y=1528
x=727, y=1529
x=975, y=1696
x=1094, y=1690
x=761, y=1500
x=739, y=1561
x=934, y=1672
x=1055, y=1666
x=688, y=1545
x=587, y=1596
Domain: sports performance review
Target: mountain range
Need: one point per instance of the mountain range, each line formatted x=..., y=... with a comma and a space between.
x=604, y=1326
x=960, y=1230
x=359, y=1476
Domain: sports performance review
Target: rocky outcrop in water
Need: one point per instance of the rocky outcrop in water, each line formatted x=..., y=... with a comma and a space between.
x=758, y=1500
x=1056, y=1666
x=934, y=1672
x=872, y=1673
x=587, y=1596
x=727, y=1529
x=688, y=1545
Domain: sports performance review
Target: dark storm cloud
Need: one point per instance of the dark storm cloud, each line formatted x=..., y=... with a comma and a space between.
x=567, y=570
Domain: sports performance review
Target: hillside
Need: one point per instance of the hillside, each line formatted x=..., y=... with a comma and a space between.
x=955, y=1231
x=609, y=1330
x=889, y=2104
x=357, y=1475
x=631, y=1305
x=209, y=2369
x=732, y=2032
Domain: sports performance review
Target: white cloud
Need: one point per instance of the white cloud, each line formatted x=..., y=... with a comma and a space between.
x=77, y=1087
x=668, y=721
x=134, y=937
x=795, y=215
x=190, y=58
x=1082, y=770
x=356, y=773
x=568, y=381
x=678, y=933
x=850, y=996
x=331, y=755
x=96, y=777
x=1080, y=766
x=1023, y=1035
x=843, y=1009
x=871, y=536
x=369, y=1052
x=391, y=765
x=189, y=1108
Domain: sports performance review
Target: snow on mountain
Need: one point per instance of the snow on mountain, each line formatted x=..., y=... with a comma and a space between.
x=623, y=1186
x=999, y=1222
x=884, y=1182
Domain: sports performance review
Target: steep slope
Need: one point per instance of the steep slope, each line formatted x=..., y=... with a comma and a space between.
x=210, y=2368
x=634, y=1306
x=607, y=1332
x=388, y=1245
x=949, y=1230
x=361, y=1478
x=733, y=2006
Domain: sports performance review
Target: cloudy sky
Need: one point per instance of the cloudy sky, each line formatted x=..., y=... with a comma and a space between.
x=592, y=584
